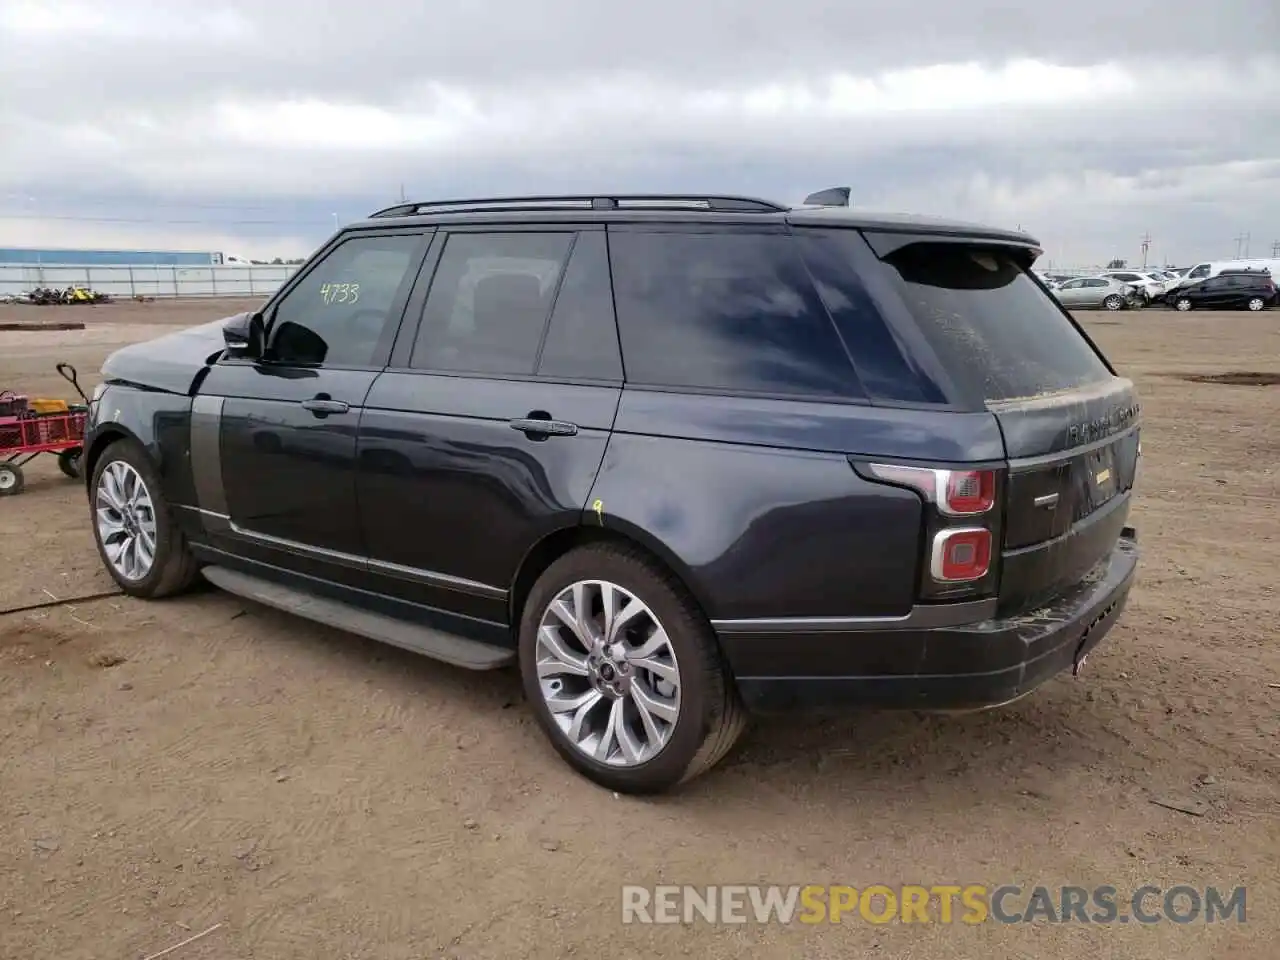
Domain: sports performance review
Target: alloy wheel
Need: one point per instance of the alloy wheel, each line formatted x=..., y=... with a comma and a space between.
x=1256, y=304
x=608, y=673
x=126, y=520
x=1184, y=305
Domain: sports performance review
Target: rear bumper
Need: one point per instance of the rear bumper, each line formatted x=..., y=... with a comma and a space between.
x=970, y=666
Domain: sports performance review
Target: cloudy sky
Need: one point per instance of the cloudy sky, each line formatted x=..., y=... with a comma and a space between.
x=249, y=126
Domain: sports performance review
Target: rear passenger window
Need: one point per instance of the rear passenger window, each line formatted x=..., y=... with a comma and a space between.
x=883, y=364
x=582, y=340
x=732, y=312
x=489, y=302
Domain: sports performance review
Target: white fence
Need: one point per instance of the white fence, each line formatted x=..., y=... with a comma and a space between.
x=123, y=282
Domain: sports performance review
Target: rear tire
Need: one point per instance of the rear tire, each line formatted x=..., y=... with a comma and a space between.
x=709, y=716
x=171, y=568
x=1257, y=303
x=11, y=480
x=1113, y=302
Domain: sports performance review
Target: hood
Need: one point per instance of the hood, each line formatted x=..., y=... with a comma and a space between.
x=171, y=362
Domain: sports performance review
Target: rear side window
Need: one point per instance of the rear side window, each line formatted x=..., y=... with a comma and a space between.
x=582, y=340
x=989, y=322
x=489, y=302
x=725, y=311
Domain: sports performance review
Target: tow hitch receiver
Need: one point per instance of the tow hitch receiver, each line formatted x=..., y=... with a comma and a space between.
x=1088, y=642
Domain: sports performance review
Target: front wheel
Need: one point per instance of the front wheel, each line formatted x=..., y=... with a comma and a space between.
x=1113, y=302
x=69, y=462
x=139, y=541
x=624, y=673
x=1183, y=304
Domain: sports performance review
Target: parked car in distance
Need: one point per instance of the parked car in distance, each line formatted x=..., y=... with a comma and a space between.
x=1228, y=290
x=672, y=458
x=1211, y=268
x=1107, y=293
x=1150, y=285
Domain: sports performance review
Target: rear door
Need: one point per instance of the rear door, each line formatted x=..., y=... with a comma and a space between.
x=486, y=432
x=1096, y=291
x=1070, y=424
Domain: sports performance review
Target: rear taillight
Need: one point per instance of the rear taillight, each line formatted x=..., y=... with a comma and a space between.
x=961, y=526
x=956, y=493
x=968, y=492
x=960, y=554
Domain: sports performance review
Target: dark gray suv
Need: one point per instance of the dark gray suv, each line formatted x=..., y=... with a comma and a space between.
x=676, y=457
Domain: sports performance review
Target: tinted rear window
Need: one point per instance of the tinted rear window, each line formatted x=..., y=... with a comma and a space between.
x=989, y=322
x=725, y=311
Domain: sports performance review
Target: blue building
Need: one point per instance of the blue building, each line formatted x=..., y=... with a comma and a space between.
x=132, y=258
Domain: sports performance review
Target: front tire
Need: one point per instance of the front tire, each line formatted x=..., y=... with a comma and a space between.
x=138, y=539
x=69, y=462
x=623, y=672
x=1182, y=304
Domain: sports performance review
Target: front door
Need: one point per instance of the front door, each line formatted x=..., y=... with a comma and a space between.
x=1215, y=292
x=1071, y=293
x=487, y=431
x=286, y=424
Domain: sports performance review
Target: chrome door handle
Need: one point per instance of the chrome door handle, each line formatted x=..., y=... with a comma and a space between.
x=322, y=408
x=533, y=426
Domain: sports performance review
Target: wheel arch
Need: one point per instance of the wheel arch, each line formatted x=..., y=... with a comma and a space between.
x=102, y=438
x=556, y=544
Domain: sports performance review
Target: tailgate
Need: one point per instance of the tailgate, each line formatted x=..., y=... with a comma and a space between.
x=1070, y=424
x=1072, y=462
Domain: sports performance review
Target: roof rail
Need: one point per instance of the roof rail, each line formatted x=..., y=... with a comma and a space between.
x=650, y=201
x=833, y=197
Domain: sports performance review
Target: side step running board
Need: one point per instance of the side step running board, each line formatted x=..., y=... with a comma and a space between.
x=399, y=633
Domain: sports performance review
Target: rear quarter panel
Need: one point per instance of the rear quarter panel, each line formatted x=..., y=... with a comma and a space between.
x=755, y=503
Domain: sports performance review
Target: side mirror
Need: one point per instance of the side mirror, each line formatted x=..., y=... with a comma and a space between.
x=244, y=335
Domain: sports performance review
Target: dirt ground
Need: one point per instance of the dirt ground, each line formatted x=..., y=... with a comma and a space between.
x=170, y=766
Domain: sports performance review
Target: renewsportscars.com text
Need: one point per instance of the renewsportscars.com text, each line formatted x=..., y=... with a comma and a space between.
x=934, y=903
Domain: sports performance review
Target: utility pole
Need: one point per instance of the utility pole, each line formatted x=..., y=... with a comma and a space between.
x=1146, y=245
x=1275, y=249
x=1242, y=240
x=402, y=193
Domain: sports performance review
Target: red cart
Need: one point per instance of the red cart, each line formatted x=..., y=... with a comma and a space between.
x=25, y=433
